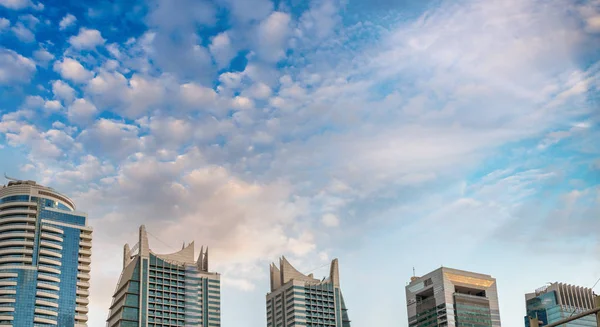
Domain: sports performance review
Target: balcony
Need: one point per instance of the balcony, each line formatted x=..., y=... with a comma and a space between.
x=49, y=269
x=50, y=261
x=43, y=294
x=85, y=259
x=17, y=204
x=82, y=300
x=83, y=292
x=51, y=245
x=50, y=253
x=46, y=303
x=46, y=312
x=17, y=219
x=22, y=227
x=52, y=229
x=83, y=276
x=85, y=244
x=81, y=310
x=41, y=285
x=8, y=212
x=46, y=236
x=17, y=234
x=83, y=284
x=22, y=259
x=85, y=252
x=44, y=321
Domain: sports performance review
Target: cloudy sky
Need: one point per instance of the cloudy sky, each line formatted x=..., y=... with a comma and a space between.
x=390, y=134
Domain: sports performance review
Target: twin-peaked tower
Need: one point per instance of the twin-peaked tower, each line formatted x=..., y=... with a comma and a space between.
x=301, y=300
x=157, y=290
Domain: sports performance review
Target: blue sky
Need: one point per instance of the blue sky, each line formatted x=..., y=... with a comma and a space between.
x=388, y=134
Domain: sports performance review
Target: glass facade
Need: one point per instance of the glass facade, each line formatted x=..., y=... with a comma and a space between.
x=45, y=260
x=472, y=311
x=547, y=309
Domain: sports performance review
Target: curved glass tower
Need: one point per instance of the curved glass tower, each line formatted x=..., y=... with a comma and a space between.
x=165, y=290
x=45, y=256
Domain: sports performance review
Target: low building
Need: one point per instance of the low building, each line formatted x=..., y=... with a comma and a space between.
x=558, y=301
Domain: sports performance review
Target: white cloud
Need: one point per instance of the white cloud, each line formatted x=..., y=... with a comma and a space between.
x=231, y=80
x=171, y=133
x=100, y=138
x=593, y=23
x=132, y=97
x=63, y=91
x=89, y=168
x=319, y=21
x=20, y=4
x=242, y=103
x=197, y=96
x=33, y=102
x=14, y=68
x=42, y=56
x=30, y=20
x=330, y=220
x=4, y=24
x=245, y=11
x=182, y=56
x=247, y=220
x=590, y=12
x=52, y=105
x=87, y=39
x=23, y=33
x=259, y=91
x=241, y=284
x=67, y=21
x=272, y=36
x=222, y=49
x=81, y=112
x=19, y=133
x=71, y=69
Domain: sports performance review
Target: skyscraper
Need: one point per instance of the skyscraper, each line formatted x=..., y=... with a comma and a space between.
x=299, y=300
x=558, y=301
x=450, y=297
x=160, y=290
x=45, y=256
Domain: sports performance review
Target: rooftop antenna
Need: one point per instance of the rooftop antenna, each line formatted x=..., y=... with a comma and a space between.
x=414, y=276
x=10, y=178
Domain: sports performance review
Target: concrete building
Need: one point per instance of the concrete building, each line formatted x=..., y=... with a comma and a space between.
x=300, y=300
x=450, y=297
x=45, y=256
x=558, y=301
x=164, y=290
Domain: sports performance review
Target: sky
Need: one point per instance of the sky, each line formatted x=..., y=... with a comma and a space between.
x=389, y=134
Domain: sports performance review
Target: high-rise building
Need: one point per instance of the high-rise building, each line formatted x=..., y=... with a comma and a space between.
x=558, y=301
x=45, y=256
x=299, y=300
x=450, y=297
x=165, y=290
